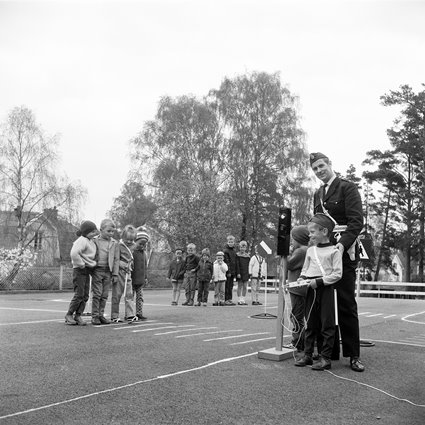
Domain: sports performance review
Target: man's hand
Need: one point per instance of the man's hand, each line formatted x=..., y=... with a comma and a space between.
x=340, y=247
x=312, y=283
x=114, y=279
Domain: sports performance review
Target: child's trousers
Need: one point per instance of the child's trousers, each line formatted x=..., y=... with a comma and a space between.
x=255, y=288
x=219, y=291
x=297, y=319
x=81, y=281
x=101, y=284
x=320, y=315
x=203, y=289
x=189, y=284
x=117, y=292
x=138, y=291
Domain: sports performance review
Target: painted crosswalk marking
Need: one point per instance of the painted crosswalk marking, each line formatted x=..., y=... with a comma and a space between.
x=209, y=333
x=236, y=336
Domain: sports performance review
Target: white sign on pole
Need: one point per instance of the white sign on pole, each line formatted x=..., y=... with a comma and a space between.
x=362, y=252
x=266, y=248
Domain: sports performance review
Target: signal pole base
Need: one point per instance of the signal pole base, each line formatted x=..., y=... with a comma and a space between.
x=276, y=355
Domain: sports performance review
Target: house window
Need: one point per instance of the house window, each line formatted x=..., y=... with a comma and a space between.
x=38, y=237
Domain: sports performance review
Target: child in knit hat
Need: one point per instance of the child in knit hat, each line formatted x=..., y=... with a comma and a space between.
x=204, y=272
x=83, y=253
x=219, y=278
x=300, y=240
x=321, y=270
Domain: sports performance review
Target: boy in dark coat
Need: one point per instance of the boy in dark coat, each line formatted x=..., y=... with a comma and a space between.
x=139, y=275
x=230, y=260
x=189, y=282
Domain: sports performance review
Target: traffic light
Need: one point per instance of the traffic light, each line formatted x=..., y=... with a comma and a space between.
x=284, y=231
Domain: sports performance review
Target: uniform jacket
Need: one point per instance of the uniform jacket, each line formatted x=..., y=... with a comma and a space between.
x=344, y=204
x=113, y=255
x=204, y=270
x=176, y=270
x=230, y=259
x=140, y=268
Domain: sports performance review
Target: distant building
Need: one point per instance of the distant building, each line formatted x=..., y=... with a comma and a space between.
x=50, y=237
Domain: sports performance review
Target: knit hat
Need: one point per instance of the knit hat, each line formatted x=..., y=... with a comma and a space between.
x=315, y=156
x=220, y=253
x=141, y=234
x=86, y=227
x=300, y=234
x=205, y=251
x=324, y=221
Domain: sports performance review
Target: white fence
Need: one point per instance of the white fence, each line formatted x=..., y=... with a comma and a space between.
x=406, y=290
x=391, y=289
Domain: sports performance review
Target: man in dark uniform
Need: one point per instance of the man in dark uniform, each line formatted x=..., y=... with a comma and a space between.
x=341, y=200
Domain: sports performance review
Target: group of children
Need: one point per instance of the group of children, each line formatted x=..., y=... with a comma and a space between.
x=99, y=259
x=198, y=272
x=315, y=265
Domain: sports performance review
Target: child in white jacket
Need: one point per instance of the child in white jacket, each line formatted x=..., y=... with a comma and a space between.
x=257, y=272
x=219, y=277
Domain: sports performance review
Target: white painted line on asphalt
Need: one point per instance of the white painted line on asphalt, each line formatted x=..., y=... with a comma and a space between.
x=32, y=309
x=416, y=338
x=185, y=330
x=145, y=323
x=391, y=315
x=34, y=321
x=374, y=315
x=209, y=333
x=180, y=326
x=163, y=327
x=405, y=318
x=364, y=312
x=398, y=343
x=253, y=340
x=133, y=384
x=235, y=336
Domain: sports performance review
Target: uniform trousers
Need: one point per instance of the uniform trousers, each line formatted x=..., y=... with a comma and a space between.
x=348, y=319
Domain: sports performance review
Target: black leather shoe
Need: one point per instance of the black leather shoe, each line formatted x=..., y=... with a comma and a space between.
x=322, y=364
x=356, y=364
x=104, y=320
x=304, y=361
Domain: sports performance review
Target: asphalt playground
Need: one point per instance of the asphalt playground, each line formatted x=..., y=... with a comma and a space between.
x=200, y=365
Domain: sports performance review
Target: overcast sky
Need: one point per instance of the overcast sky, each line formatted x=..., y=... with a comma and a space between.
x=94, y=71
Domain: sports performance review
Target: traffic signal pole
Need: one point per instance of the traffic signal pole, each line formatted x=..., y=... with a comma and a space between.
x=283, y=238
